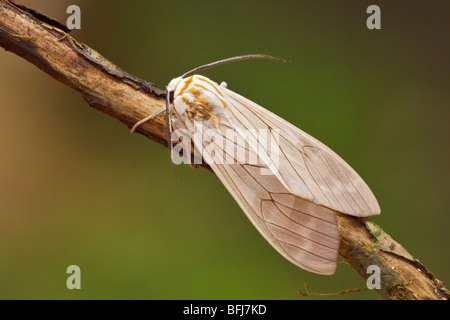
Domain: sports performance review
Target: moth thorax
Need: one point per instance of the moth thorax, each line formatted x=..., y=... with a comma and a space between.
x=200, y=99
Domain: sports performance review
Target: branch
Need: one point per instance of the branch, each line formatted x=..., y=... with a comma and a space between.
x=45, y=43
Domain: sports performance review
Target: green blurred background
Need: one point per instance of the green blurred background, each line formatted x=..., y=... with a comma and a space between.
x=77, y=188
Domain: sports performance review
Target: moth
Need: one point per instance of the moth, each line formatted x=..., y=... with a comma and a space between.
x=288, y=184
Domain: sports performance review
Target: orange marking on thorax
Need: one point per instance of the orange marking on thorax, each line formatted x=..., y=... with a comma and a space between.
x=212, y=84
x=186, y=84
x=194, y=91
x=204, y=88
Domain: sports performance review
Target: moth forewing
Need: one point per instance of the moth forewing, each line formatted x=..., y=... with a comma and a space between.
x=319, y=171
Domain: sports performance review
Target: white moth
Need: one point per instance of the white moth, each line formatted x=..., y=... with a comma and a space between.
x=289, y=184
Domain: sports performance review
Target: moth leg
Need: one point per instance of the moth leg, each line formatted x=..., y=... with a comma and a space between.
x=153, y=115
x=193, y=166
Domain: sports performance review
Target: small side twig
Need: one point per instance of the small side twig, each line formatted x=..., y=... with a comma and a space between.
x=318, y=294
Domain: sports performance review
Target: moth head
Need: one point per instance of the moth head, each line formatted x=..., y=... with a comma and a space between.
x=173, y=85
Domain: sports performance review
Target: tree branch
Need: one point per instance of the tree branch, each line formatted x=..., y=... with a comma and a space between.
x=45, y=43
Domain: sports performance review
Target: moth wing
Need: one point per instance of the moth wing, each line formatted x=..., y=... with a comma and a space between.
x=293, y=203
x=307, y=167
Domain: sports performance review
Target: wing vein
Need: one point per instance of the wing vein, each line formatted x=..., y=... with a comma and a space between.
x=322, y=244
x=312, y=216
x=342, y=182
x=314, y=254
x=338, y=198
x=290, y=231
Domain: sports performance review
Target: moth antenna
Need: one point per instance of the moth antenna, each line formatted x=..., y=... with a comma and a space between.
x=233, y=59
